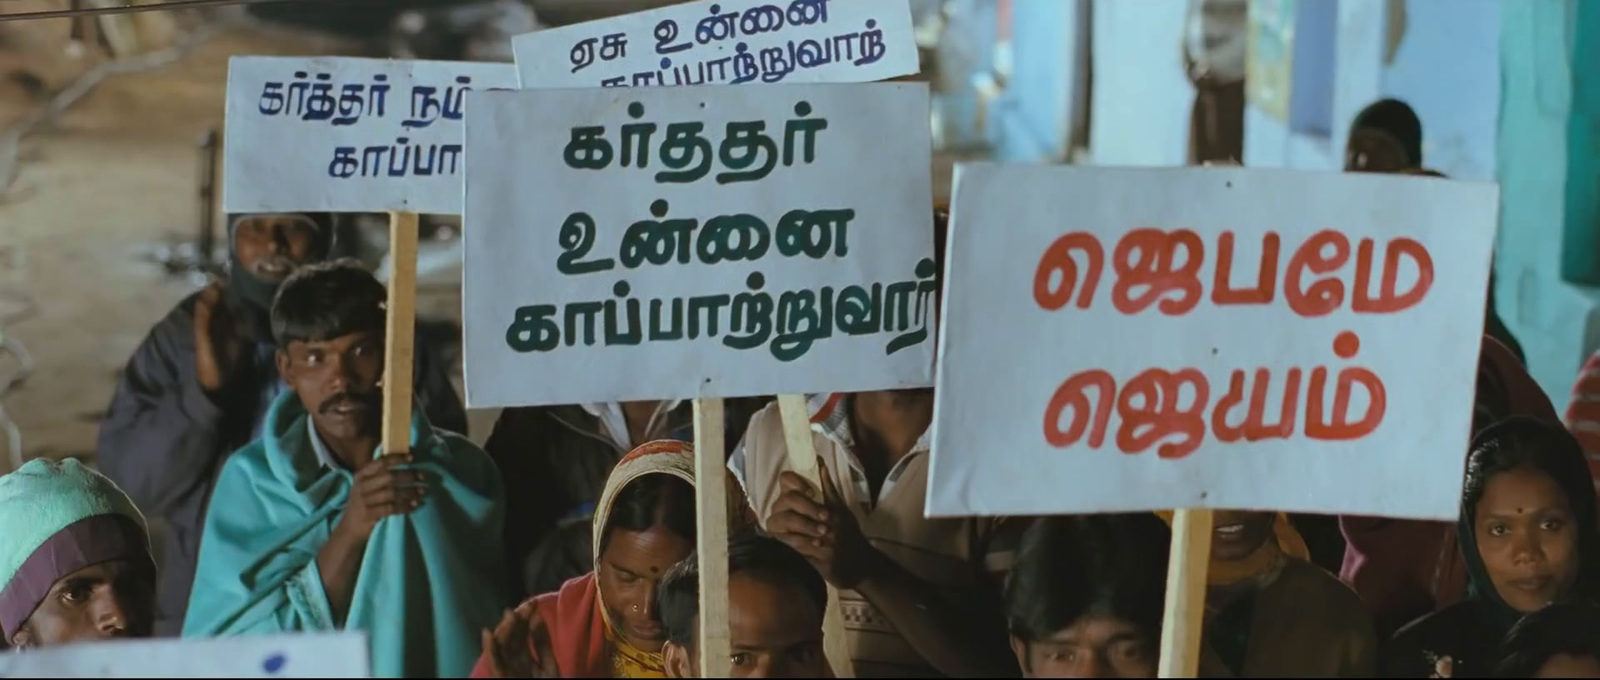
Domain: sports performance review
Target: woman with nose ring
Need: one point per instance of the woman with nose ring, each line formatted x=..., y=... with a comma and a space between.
x=604, y=623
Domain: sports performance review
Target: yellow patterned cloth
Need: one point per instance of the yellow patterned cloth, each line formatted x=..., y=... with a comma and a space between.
x=629, y=662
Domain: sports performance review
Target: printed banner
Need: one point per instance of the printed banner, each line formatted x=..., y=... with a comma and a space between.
x=1122, y=340
x=726, y=42
x=348, y=135
x=662, y=243
x=335, y=655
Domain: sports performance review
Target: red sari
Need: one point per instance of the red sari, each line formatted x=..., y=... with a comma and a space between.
x=577, y=631
x=575, y=616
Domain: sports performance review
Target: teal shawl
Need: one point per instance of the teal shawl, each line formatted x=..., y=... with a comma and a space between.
x=429, y=581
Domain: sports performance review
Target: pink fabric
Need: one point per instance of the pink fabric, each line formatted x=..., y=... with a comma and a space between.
x=577, y=631
x=1583, y=414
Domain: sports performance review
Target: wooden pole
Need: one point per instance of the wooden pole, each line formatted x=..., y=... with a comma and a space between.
x=1184, y=619
x=803, y=460
x=400, y=333
x=711, y=541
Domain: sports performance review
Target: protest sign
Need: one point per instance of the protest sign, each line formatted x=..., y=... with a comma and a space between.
x=660, y=243
x=726, y=42
x=348, y=135
x=335, y=655
x=1122, y=340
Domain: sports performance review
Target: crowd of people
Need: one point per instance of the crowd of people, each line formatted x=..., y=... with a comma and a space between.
x=248, y=422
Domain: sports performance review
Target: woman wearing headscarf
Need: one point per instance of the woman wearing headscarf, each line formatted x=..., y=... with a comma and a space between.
x=1404, y=568
x=604, y=624
x=1528, y=537
x=1271, y=613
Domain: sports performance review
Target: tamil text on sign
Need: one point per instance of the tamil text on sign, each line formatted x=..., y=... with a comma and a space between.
x=1123, y=340
x=726, y=42
x=348, y=135
x=697, y=242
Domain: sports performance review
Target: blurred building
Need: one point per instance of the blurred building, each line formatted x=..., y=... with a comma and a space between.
x=1507, y=90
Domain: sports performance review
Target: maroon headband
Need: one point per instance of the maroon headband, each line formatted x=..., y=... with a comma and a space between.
x=83, y=543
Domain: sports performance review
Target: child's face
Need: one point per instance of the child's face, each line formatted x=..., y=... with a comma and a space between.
x=1094, y=646
x=1570, y=666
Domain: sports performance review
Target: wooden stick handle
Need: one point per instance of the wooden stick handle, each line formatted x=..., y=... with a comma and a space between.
x=711, y=541
x=400, y=333
x=1184, y=619
x=803, y=460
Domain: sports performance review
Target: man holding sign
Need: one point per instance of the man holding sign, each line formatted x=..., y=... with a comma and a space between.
x=199, y=386
x=317, y=534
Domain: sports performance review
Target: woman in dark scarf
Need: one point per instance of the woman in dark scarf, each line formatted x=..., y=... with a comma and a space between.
x=1403, y=568
x=1529, y=539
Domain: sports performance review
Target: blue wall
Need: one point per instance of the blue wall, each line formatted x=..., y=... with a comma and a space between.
x=1447, y=67
x=1548, y=181
x=1035, y=115
x=1142, y=98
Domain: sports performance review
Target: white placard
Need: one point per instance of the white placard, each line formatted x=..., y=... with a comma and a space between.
x=334, y=655
x=801, y=262
x=726, y=42
x=340, y=134
x=1107, y=329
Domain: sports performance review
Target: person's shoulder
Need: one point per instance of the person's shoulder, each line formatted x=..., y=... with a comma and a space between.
x=1438, y=627
x=1419, y=648
x=461, y=456
x=460, y=448
x=244, y=470
x=1309, y=576
x=1313, y=586
x=175, y=330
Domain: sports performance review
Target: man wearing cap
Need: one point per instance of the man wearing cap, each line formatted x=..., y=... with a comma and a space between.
x=199, y=385
x=75, y=560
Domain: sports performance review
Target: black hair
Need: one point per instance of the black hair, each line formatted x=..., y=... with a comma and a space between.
x=1557, y=629
x=327, y=300
x=749, y=553
x=1524, y=441
x=1069, y=567
x=654, y=500
x=1395, y=118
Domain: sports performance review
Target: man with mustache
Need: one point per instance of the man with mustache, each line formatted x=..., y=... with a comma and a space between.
x=321, y=531
x=198, y=387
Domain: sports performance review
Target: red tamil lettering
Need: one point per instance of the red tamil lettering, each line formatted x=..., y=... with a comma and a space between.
x=1388, y=301
x=1253, y=428
x=1144, y=258
x=1266, y=277
x=1338, y=427
x=1072, y=395
x=1326, y=294
x=1158, y=416
x=1058, y=261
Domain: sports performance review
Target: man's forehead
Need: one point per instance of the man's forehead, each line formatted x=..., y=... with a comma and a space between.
x=1093, y=629
x=276, y=219
x=763, y=614
x=339, y=341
